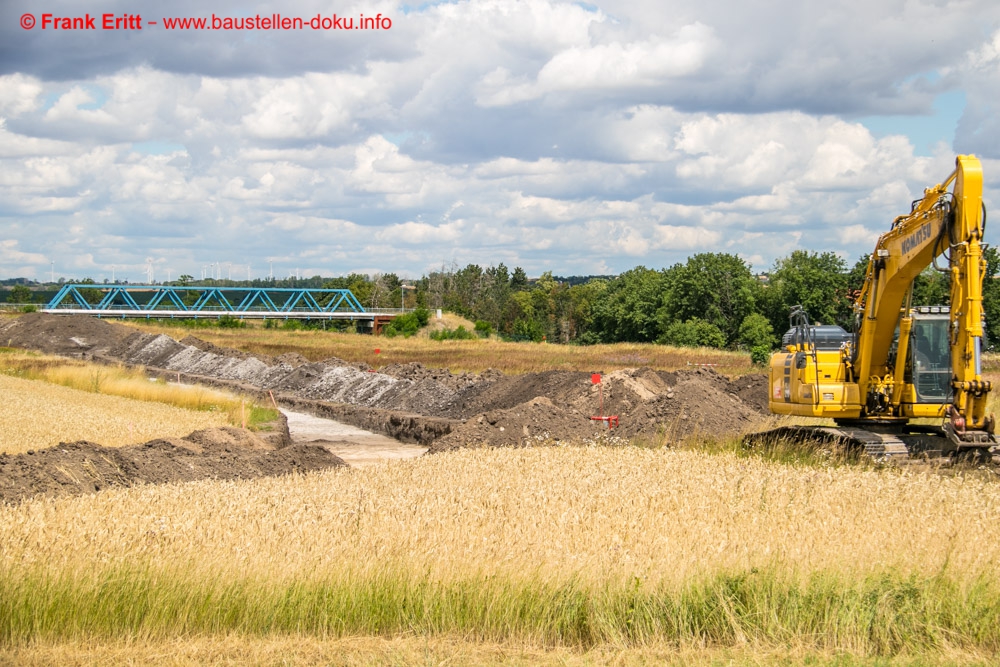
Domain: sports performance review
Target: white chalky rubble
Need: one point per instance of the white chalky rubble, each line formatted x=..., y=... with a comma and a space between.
x=335, y=383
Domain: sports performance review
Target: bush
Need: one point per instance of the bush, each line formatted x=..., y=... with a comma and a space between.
x=696, y=332
x=230, y=322
x=29, y=309
x=408, y=324
x=484, y=329
x=760, y=355
x=756, y=331
x=192, y=323
x=19, y=294
x=589, y=338
x=461, y=333
x=528, y=330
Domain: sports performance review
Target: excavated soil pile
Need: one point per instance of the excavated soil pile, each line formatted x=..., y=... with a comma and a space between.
x=558, y=406
x=490, y=409
x=219, y=453
x=60, y=335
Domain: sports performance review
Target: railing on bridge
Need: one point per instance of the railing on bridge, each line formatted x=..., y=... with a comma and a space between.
x=194, y=302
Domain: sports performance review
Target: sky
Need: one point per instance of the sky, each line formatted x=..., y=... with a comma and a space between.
x=580, y=138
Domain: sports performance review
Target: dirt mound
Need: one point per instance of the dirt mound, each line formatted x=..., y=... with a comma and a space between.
x=417, y=372
x=698, y=403
x=659, y=406
x=752, y=390
x=293, y=359
x=60, y=334
x=205, y=346
x=84, y=467
x=535, y=422
x=496, y=409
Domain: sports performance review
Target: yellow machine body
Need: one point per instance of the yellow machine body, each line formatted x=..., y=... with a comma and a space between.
x=902, y=363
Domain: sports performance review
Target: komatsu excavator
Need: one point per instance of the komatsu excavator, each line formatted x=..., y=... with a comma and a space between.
x=901, y=364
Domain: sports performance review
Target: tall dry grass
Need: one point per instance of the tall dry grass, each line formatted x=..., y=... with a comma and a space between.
x=575, y=546
x=129, y=383
x=461, y=355
x=38, y=414
x=410, y=649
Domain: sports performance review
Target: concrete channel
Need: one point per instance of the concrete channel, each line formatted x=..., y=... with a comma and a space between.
x=357, y=447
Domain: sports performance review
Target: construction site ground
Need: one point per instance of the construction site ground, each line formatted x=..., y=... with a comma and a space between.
x=397, y=411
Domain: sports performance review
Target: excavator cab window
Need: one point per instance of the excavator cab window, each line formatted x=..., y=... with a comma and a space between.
x=930, y=359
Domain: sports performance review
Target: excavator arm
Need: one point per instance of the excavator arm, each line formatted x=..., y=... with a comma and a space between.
x=968, y=267
x=942, y=222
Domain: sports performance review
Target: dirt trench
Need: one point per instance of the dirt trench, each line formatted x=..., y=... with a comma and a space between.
x=430, y=407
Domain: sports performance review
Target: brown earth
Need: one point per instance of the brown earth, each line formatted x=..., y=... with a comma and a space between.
x=220, y=453
x=431, y=406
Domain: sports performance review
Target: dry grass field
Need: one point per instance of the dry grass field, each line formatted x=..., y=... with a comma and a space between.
x=54, y=399
x=38, y=414
x=581, y=547
x=410, y=649
x=472, y=356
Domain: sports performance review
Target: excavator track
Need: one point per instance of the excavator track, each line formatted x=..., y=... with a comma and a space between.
x=919, y=444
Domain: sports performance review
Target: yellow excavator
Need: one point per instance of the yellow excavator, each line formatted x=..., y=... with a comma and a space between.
x=908, y=381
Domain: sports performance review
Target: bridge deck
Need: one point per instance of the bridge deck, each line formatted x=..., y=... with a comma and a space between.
x=121, y=313
x=211, y=301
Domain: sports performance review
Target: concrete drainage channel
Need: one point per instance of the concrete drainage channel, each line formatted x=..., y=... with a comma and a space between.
x=355, y=446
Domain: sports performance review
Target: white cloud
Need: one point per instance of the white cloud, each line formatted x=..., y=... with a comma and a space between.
x=687, y=238
x=10, y=254
x=539, y=133
x=645, y=63
x=312, y=105
x=649, y=62
x=70, y=107
x=421, y=232
x=19, y=94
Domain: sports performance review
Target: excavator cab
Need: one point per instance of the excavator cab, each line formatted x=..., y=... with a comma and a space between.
x=929, y=363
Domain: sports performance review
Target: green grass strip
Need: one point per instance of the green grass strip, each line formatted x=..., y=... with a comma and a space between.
x=876, y=615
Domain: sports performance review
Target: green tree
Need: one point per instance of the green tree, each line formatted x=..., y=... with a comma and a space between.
x=716, y=287
x=92, y=295
x=518, y=279
x=991, y=296
x=629, y=308
x=408, y=324
x=528, y=330
x=756, y=331
x=931, y=288
x=19, y=294
x=856, y=276
x=816, y=281
x=694, y=332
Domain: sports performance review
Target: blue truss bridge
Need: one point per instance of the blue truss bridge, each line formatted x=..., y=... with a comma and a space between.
x=194, y=302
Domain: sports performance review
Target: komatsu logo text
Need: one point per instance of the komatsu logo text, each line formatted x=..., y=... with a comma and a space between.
x=916, y=238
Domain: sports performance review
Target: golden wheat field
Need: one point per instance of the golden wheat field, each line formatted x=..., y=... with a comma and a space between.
x=505, y=534
x=600, y=514
x=38, y=414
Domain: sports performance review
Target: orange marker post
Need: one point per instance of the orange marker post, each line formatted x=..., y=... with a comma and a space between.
x=610, y=420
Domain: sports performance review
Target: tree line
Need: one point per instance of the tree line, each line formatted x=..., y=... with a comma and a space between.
x=712, y=299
